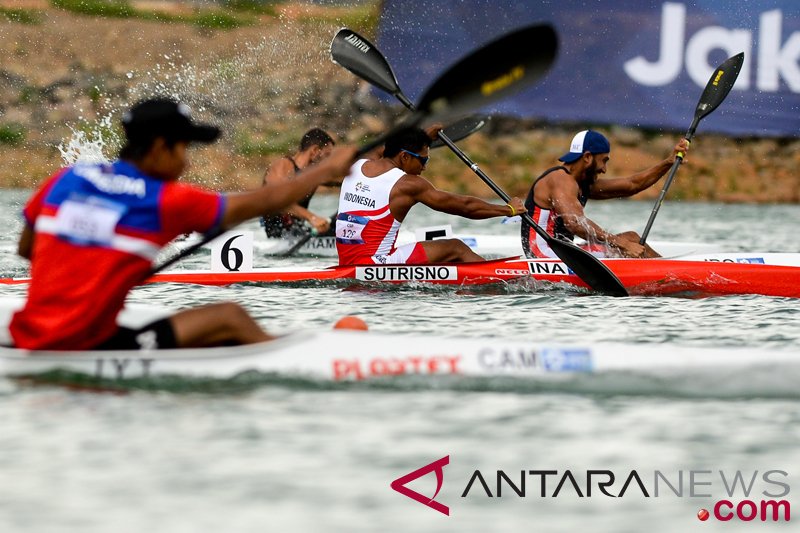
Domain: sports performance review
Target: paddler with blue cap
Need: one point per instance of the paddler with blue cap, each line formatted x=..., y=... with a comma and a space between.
x=557, y=198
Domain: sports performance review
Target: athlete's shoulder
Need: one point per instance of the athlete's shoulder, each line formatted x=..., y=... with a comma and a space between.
x=413, y=182
x=179, y=188
x=557, y=172
x=559, y=178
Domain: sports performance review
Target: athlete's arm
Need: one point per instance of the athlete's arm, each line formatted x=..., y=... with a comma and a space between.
x=603, y=189
x=281, y=172
x=319, y=223
x=418, y=189
x=273, y=199
x=25, y=246
x=563, y=200
x=31, y=212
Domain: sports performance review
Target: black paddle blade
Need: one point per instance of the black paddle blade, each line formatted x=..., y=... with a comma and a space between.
x=462, y=129
x=719, y=85
x=493, y=71
x=359, y=56
x=587, y=267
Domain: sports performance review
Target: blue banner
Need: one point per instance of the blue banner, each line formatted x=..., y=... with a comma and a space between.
x=631, y=62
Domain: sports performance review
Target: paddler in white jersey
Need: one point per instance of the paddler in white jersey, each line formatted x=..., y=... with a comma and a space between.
x=377, y=195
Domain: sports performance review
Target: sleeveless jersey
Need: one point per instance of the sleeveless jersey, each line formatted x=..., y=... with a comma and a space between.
x=97, y=229
x=532, y=244
x=366, y=230
x=283, y=224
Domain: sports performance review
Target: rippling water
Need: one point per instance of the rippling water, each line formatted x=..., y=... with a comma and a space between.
x=288, y=455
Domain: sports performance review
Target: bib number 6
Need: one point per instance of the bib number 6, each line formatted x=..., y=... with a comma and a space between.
x=233, y=252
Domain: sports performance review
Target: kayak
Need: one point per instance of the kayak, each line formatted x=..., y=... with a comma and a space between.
x=356, y=356
x=769, y=274
x=343, y=355
x=490, y=246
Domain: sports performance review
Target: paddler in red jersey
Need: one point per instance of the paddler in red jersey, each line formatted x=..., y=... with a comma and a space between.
x=557, y=198
x=93, y=230
x=377, y=195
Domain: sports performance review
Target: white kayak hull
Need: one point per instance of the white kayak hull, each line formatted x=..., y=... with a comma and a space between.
x=354, y=356
x=342, y=355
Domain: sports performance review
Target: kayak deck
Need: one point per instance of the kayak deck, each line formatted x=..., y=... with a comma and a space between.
x=643, y=277
x=355, y=356
x=714, y=274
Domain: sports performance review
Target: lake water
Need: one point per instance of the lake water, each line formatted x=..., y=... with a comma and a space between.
x=294, y=456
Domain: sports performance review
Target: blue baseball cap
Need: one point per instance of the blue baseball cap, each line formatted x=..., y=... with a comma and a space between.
x=586, y=141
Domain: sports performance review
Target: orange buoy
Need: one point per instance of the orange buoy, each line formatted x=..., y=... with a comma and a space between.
x=351, y=322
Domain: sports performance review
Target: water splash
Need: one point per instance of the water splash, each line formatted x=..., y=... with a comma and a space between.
x=263, y=93
x=91, y=144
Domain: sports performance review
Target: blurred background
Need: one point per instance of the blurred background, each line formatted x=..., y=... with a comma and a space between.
x=262, y=70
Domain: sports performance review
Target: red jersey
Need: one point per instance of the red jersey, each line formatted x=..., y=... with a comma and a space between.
x=97, y=229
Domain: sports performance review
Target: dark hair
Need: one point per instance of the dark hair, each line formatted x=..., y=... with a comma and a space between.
x=413, y=139
x=315, y=137
x=136, y=150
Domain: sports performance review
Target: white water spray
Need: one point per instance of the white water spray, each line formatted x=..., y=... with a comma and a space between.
x=89, y=147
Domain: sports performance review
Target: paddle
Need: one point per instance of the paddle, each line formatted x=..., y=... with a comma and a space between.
x=359, y=56
x=462, y=129
x=717, y=88
x=456, y=131
x=483, y=76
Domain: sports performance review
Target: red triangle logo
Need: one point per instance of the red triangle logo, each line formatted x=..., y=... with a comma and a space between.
x=437, y=466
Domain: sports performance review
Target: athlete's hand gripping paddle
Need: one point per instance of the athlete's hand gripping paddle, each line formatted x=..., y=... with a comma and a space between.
x=717, y=88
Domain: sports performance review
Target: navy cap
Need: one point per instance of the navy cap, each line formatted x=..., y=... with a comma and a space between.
x=586, y=141
x=164, y=117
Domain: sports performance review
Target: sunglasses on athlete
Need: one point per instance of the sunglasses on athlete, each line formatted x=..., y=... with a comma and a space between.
x=423, y=160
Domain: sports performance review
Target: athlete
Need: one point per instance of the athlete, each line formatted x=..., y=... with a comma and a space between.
x=93, y=230
x=557, y=198
x=377, y=195
x=315, y=146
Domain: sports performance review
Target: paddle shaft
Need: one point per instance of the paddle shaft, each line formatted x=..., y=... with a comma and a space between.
x=667, y=183
x=492, y=185
x=719, y=85
x=477, y=170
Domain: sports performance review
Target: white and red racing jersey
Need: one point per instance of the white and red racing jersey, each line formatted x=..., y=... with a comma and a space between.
x=366, y=230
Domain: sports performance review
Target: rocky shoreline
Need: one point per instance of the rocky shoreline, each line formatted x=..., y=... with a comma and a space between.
x=65, y=80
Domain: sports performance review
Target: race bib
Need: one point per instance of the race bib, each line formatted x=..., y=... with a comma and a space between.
x=349, y=228
x=88, y=220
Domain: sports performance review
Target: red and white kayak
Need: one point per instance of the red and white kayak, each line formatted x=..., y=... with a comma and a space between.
x=770, y=274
